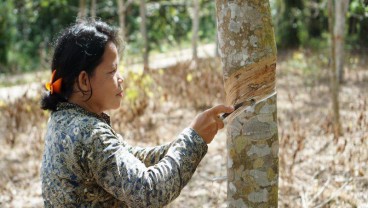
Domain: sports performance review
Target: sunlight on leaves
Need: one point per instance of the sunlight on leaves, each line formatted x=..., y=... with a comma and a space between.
x=189, y=77
x=2, y=104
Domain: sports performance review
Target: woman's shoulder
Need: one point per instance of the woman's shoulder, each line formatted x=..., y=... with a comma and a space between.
x=76, y=114
x=75, y=121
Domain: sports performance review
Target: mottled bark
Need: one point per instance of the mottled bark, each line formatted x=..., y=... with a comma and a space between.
x=248, y=52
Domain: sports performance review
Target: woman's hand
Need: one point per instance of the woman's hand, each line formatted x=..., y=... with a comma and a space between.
x=207, y=123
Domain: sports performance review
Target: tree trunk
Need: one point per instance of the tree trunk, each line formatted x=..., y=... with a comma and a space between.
x=341, y=8
x=121, y=12
x=195, y=28
x=82, y=13
x=248, y=52
x=334, y=79
x=122, y=8
x=93, y=9
x=143, y=27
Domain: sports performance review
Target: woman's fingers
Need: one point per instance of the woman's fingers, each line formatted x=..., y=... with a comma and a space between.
x=221, y=109
x=207, y=124
x=219, y=122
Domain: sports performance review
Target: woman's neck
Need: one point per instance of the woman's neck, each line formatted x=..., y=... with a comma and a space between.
x=85, y=104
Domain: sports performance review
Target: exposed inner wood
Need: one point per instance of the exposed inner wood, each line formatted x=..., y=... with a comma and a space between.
x=254, y=81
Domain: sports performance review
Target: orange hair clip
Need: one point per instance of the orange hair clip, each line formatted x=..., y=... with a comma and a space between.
x=54, y=86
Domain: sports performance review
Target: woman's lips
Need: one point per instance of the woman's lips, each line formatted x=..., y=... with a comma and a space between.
x=120, y=93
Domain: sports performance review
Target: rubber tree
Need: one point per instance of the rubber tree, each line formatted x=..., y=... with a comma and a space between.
x=143, y=29
x=122, y=8
x=341, y=9
x=195, y=29
x=82, y=11
x=335, y=85
x=93, y=9
x=248, y=54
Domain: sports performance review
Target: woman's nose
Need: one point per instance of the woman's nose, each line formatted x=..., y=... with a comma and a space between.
x=120, y=78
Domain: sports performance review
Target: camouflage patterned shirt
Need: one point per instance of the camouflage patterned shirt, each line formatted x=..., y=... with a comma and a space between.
x=87, y=164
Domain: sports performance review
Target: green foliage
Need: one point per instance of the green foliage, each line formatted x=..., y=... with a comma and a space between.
x=7, y=32
x=138, y=86
x=173, y=26
x=289, y=28
x=28, y=27
x=305, y=23
x=357, y=7
x=358, y=24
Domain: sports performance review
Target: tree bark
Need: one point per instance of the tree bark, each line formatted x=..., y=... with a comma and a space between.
x=82, y=13
x=122, y=8
x=341, y=8
x=93, y=9
x=334, y=74
x=143, y=28
x=248, y=53
x=195, y=28
x=121, y=12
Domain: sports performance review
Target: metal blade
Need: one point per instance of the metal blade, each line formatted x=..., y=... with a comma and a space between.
x=238, y=108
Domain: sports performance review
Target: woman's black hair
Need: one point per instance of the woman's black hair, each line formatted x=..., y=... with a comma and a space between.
x=80, y=47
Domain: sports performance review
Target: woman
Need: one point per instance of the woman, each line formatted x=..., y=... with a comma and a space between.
x=85, y=162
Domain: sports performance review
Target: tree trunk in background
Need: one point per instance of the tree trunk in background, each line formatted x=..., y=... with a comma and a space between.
x=93, y=9
x=195, y=28
x=121, y=12
x=82, y=13
x=122, y=8
x=217, y=52
x=248, y=52
x=143, y=27
x=334, y=79
x=341, y=8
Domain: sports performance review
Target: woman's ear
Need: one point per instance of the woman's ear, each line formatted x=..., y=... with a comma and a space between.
x=83, y=81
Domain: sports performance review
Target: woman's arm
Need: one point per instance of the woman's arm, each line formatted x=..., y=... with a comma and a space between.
x=148, y=155
x=123, y=175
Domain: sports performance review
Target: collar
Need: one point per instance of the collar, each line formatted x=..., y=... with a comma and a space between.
x=66, y=106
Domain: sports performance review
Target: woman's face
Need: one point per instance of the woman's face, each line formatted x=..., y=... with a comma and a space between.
x=106, y=82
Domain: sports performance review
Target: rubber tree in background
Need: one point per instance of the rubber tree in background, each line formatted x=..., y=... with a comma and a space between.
x=143, y=28
x=93, y=9
x=195, y=28
x=82, y=12
x=334, y=73
x=341, y=9
x=248, y=54
x=122, y=8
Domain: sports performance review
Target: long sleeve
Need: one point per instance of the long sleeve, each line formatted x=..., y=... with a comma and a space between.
x=148, y=155
x=126, y=177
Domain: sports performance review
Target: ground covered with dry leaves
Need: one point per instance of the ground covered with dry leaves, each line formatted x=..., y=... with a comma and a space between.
x=316, y=170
